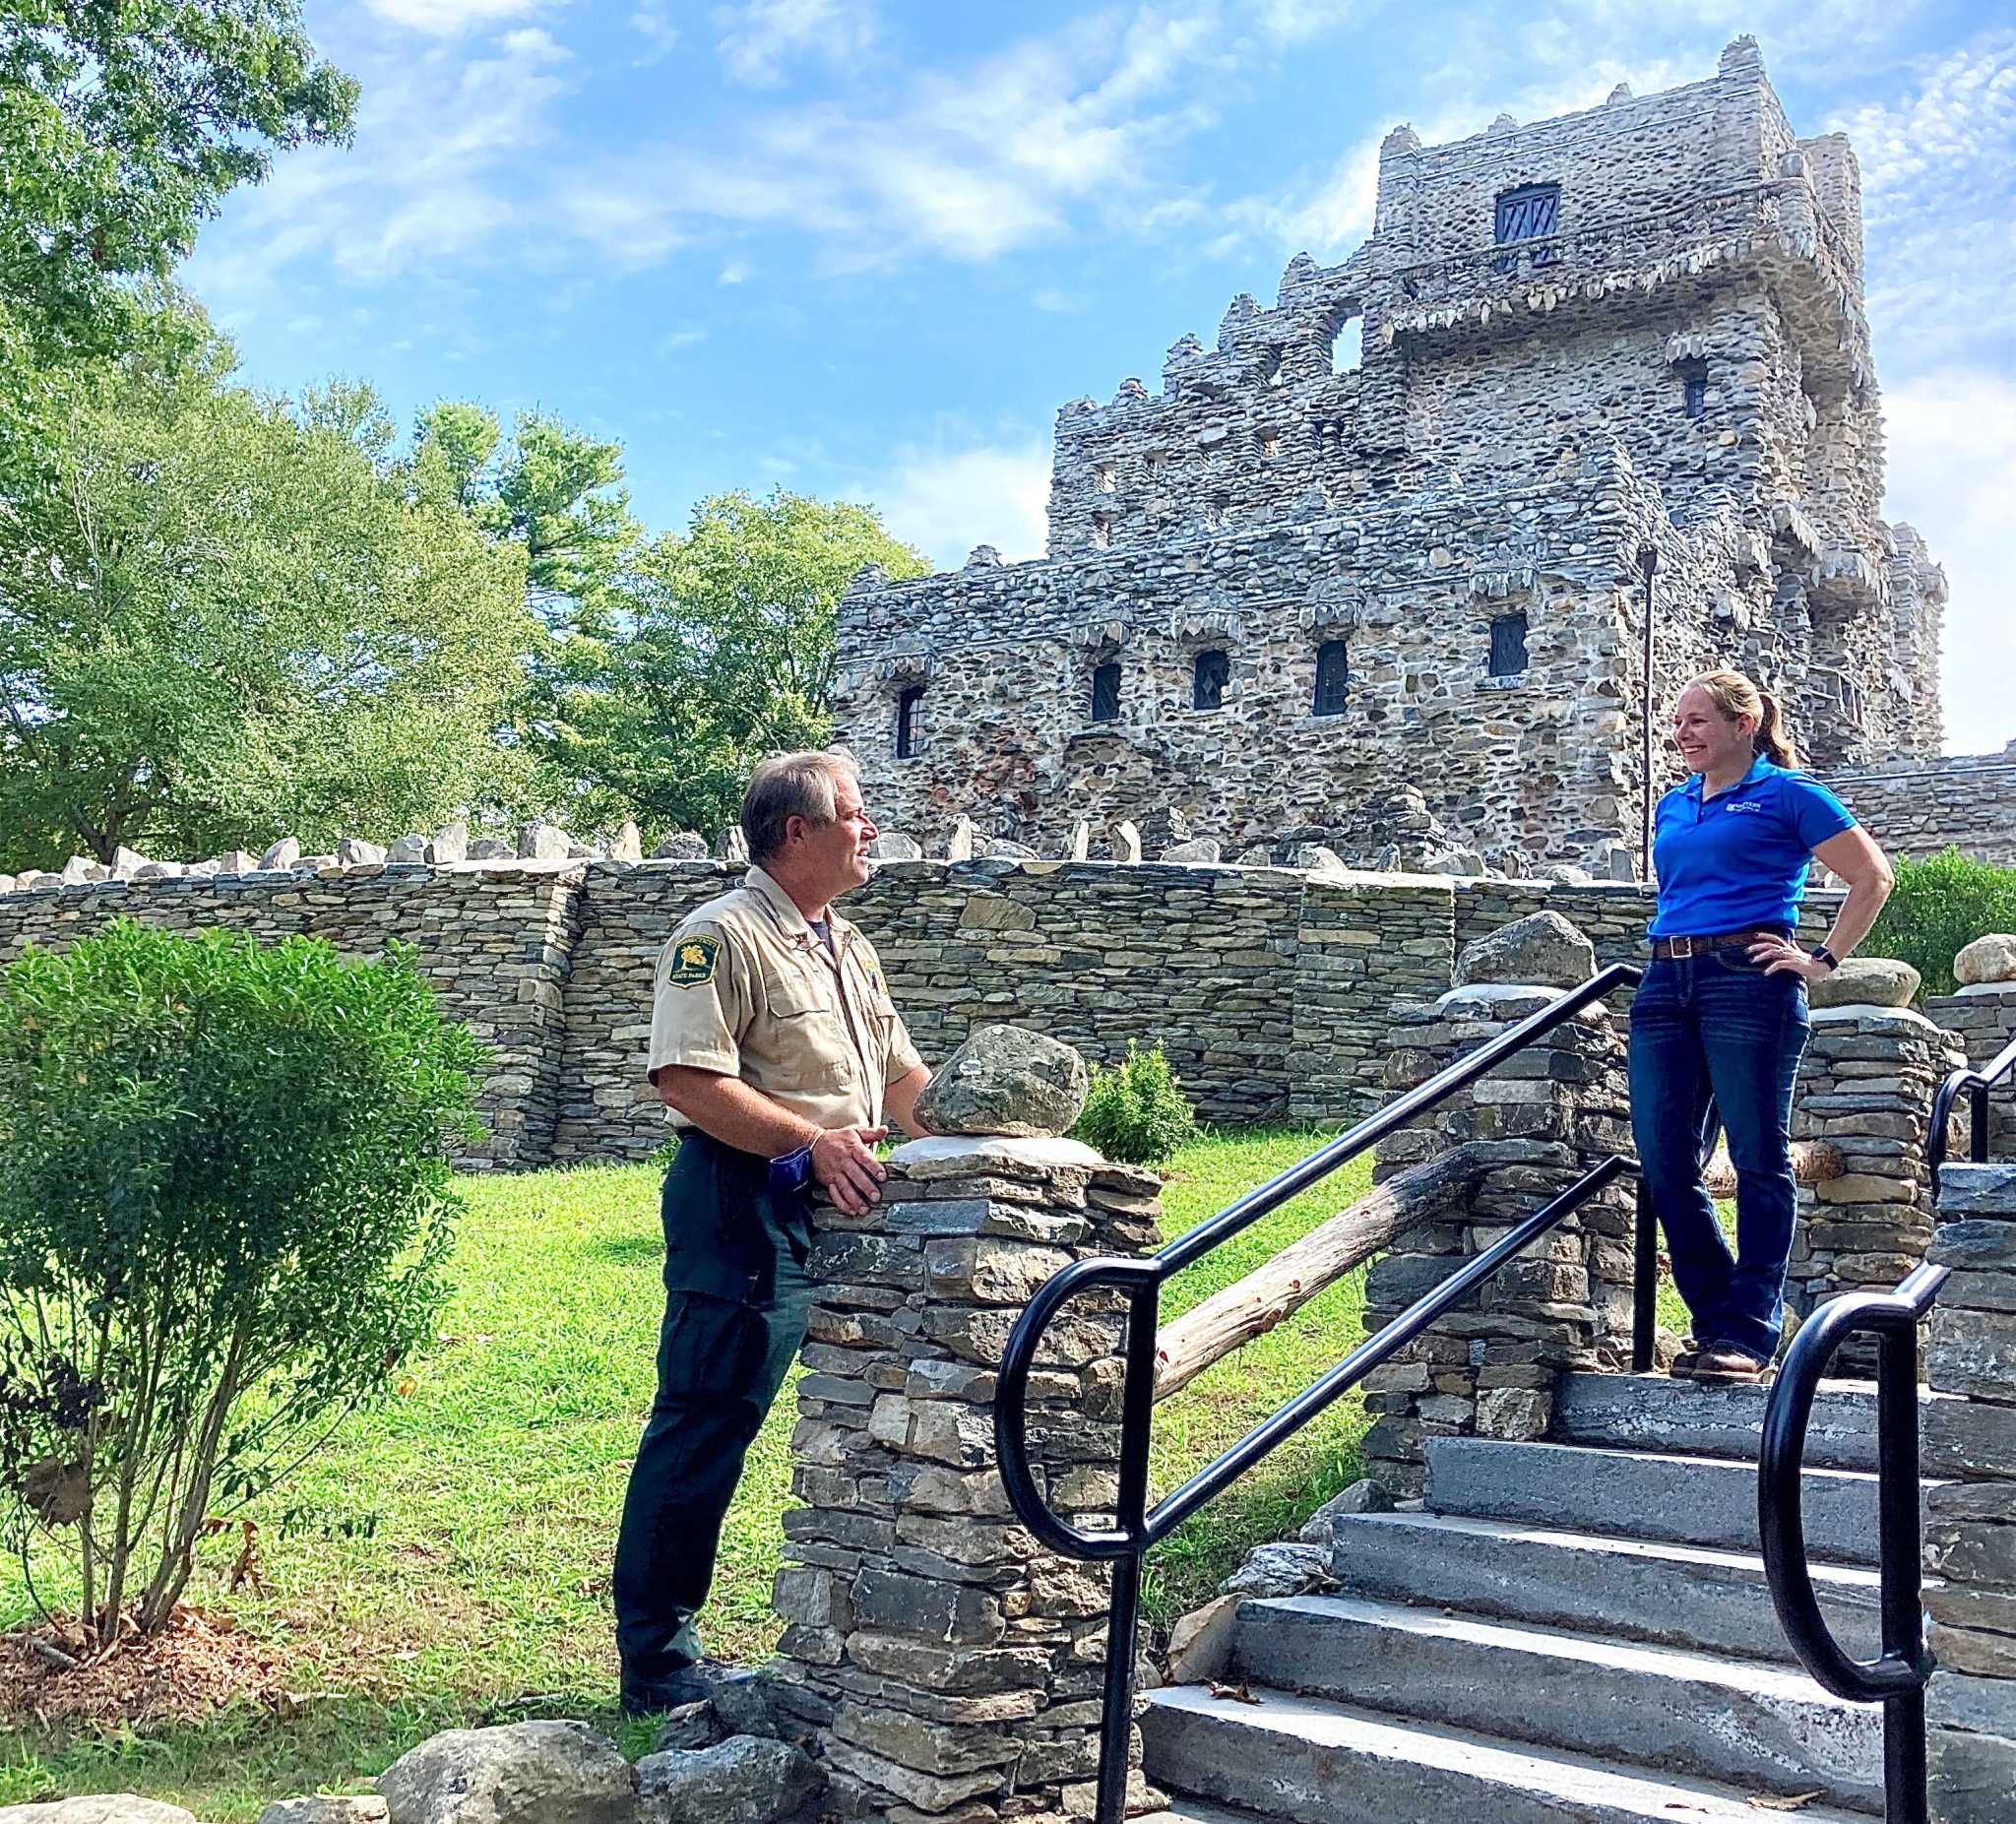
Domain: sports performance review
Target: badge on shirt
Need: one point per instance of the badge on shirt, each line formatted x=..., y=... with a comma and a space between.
x=693, y=960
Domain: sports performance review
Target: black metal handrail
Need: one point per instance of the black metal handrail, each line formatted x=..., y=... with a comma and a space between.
x=1976, y=1084
x=1897, y=1679
x=1137, y=1527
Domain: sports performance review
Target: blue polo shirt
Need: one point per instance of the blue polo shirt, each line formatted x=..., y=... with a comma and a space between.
x=1739, y=859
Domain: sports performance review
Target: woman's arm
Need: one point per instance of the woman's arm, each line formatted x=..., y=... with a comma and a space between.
x=1854, y=857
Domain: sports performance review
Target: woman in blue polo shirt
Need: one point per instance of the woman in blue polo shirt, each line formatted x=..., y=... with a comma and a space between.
x=1718, y=1023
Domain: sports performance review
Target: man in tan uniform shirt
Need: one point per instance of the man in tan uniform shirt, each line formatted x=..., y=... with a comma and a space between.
x=776, y=1048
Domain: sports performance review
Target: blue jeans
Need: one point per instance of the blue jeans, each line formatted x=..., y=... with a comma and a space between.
x=1712, y=1036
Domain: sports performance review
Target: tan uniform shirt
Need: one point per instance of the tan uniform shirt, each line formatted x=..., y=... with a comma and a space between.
x=745, y=987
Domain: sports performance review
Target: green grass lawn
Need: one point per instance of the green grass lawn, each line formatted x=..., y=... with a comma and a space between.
x=445, y=1562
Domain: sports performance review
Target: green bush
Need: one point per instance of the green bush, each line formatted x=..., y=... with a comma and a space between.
x=224, y=1204
x=1136, y=1110
x=1938, y=907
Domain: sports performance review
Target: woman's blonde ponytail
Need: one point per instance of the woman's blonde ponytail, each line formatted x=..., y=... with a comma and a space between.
x=1774, y=742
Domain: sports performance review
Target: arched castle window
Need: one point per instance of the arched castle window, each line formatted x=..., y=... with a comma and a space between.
x=1333, y=678
x=1105, y=692
x=1508, y=643
x=1693, y=375
x=1212, y=673
x=909, y=720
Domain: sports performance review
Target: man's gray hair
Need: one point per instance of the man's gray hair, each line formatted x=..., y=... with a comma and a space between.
x=787, y=786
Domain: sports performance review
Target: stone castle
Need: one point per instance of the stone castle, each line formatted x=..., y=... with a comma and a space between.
x=1386, y=536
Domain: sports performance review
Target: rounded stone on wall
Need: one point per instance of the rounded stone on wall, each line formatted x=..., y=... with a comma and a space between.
x=1865, y=982
x=1987, y=959
x=1540, y=950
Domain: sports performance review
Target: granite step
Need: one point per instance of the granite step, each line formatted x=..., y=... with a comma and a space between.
x=1656, y=1413
x=1678, y=1596
x=1642, y=1494
x=1305, y=1760
x=1734, y=1721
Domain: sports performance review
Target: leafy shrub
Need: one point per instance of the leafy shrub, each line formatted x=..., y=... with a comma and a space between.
x=1136, y=1110
x=224, y=1205
x=1939, y=907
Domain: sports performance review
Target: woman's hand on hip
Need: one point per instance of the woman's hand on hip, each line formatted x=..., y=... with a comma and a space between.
x=1782, y=957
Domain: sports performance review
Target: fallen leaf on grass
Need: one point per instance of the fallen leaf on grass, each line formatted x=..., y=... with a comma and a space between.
x=1797, y=1801
x=1240, y=1693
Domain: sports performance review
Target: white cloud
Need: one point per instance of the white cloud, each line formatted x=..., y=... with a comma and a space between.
x=734, y=273
x=945, y=501
x=659, y=35
x=449, y=17
x=760, y=38
x=1939, y=204
x=1951, y=460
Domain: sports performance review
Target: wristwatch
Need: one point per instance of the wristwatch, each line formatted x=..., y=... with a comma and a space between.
x=792, y=1171
x=1822, y=954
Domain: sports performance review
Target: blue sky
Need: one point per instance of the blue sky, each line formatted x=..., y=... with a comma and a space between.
x=867, y=247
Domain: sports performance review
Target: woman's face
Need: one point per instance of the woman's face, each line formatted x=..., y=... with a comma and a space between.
x=1710, y=742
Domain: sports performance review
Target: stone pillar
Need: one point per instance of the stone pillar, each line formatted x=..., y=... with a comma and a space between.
x=1980, y=1014
x=1970, y=1441
x=1540, y=1121
x=1866, y=1086
x=949, y=1670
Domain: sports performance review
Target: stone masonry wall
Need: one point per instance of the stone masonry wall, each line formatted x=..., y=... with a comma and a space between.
x=950, y=1668
x=1982, y=1017
x=1542, y=1121
x=1270, y=988
x=1919, y=809
x=1970, y=1526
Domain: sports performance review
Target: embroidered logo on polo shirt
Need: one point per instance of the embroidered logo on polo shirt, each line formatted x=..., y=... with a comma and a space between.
x=693, y=960
x=1745, y=804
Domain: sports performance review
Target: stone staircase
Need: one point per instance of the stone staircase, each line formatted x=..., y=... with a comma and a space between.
x=1569, y=1632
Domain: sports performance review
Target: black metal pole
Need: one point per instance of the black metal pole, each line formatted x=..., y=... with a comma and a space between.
x=1978, y=1123
x=1900, y=1546
x=1648, y=565
x=1137, y=1416
x=1644, y=1283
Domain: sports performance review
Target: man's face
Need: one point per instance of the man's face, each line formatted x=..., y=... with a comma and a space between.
x=836, y=853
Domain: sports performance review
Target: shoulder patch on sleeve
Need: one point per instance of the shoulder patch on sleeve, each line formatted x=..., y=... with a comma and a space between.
x=693, y=961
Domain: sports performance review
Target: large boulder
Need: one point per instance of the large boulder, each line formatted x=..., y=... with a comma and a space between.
x=682, y=846
x=628, y=843
x=893, y=846
x=102, y=1808
x=1005, y=1080
x=745, y=1779
x=1987, y=959
x=1541, y=950
x=527, y=1773
x=1865, y=981
x=543, y=842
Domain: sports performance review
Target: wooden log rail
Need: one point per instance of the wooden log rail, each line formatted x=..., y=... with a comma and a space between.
x=1252, y=1306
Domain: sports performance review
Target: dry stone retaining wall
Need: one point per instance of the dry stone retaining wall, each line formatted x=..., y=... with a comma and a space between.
x=1269, y=987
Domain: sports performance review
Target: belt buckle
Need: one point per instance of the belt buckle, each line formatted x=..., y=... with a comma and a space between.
x=1682, y=947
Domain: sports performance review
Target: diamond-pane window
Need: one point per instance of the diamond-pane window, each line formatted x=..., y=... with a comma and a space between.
x=1508, y=645
x=1105, y=693
x=1529, y=213
x=1214, y=672
x=909, y=722
x=1333, y=678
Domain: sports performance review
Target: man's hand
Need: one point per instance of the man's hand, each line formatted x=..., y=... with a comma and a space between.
x=845, y=1165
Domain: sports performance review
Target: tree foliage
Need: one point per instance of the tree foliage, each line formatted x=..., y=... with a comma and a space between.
x=1136, y=1109
x=718, y=649
x=120, y=128
x=224, y=1204
x=1938, y=907
x=230, y=620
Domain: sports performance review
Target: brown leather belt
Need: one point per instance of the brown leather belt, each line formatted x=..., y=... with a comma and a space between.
x=1683, y=947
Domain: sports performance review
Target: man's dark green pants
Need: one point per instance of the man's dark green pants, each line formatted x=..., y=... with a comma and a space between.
x=736, y=1298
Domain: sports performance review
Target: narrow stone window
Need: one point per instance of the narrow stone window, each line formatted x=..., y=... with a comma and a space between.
x=1348, y=346
x=1508, y=645
x=1333, y=678
x=1216, y=511
x=1693, y=386
x=909, y=720
x=1269, y=443
x=1102, y=532
x=1107, y=477
x=1105, y=692
x=1529, y=213
x=1213, y=673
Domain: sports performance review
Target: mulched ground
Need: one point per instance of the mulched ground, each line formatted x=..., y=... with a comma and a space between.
x=197, y=1664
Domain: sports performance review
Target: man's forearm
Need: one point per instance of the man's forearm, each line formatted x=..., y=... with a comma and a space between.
x=899, y=1099
x=734, y=1113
